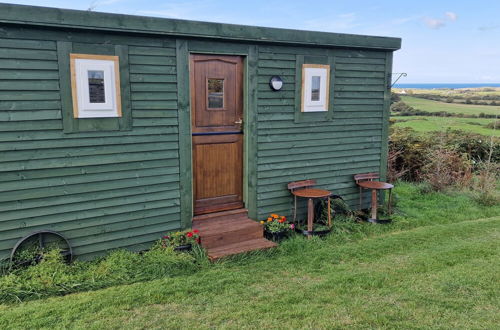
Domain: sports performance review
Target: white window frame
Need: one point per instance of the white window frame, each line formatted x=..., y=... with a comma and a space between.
x=81, y=64
x=308, y=72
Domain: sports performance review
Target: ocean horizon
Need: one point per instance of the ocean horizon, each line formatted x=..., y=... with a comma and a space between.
x=446, y=85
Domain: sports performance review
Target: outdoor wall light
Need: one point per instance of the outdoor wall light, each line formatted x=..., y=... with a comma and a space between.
x=276, y=83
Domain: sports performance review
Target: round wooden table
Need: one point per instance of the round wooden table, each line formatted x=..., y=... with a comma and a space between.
x=375, y=186
x=310, y=194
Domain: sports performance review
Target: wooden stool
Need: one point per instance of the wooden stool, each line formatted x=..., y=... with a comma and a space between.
x=304, y=189
x=365, y=181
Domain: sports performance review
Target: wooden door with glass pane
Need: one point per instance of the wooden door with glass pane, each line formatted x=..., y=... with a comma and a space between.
x=216, y=113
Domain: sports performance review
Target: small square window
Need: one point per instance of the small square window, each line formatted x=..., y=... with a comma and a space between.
x=315, y=87
x=215, y=93
x=95, y=84
x=315, y=90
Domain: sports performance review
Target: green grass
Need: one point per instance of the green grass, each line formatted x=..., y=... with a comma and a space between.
x=435, y=267
x=431, y=123
x=450, y=92
x=435, y=106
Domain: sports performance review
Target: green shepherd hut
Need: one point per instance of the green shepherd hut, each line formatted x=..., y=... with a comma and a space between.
x=115, y=129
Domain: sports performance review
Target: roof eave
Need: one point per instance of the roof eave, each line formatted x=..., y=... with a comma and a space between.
x=77, y=19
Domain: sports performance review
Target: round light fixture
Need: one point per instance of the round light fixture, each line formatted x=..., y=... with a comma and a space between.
x=276, y=83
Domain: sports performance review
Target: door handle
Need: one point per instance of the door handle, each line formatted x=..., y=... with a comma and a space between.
x=239, y=121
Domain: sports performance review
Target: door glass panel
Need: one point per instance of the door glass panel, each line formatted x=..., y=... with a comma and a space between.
x=316, y=80
x=96, y=86
x=215, y=93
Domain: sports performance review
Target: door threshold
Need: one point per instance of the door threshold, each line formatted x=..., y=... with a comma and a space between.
x=208, y=216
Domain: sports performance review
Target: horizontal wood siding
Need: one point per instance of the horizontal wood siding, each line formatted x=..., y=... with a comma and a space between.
x=114, y=189
x=329, y=151
x=102, y=190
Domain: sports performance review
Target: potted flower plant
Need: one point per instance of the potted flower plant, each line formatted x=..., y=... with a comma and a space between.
x=181, y=240
x=276, y=227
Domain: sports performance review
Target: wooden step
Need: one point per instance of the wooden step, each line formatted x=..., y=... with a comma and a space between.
x=230, y=232
x=239, y=247
x=215, y=232
x=221, y=215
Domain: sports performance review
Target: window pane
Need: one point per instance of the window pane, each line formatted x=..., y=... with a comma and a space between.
x=96, y=86
x=215, y=93
x=315, y=84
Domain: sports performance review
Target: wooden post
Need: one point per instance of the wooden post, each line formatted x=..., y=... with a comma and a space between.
x=389, y=202
x=294, y=209
x=329, y=213
x=374, y=204
x=360, y=198
x=310, y=214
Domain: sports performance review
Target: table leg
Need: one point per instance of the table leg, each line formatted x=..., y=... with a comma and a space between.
x=389, y=211
x=310, y=214
x=329, y=214
x=374, y=204
x=360, y=197
x=294, y=209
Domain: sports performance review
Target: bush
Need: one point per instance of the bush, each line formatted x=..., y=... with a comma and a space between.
x=484, y=186
x=400, y=106
x=493, y=125
x=445, y=167
x=476, y=146
x=395, y=98
x=409, y=151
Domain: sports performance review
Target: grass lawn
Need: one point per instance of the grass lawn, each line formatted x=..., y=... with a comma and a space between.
x=436, y=106
x=436, y=266
x=431, y=123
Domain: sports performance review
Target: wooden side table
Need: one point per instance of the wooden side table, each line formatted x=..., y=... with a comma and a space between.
x=310, y=194
x=376, y=186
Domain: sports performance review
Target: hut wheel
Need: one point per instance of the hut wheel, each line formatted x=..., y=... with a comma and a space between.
x=40, y=240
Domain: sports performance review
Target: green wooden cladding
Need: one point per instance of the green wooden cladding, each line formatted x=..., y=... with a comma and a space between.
x=102, y=189
x=124, y=186
x=329, y=151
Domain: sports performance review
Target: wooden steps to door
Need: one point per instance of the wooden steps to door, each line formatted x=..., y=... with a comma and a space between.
x=230, y=232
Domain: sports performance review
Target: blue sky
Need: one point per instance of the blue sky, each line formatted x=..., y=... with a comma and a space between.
x=443, y=41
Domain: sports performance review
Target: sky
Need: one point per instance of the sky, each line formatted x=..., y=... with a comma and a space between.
x=444, y=41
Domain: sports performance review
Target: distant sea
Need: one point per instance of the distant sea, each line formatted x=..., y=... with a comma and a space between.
x=443, y=85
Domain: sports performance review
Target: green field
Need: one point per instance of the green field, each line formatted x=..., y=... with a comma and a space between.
x=435, y=106
x=436, y=266
x=431, y=123
x=452, y=92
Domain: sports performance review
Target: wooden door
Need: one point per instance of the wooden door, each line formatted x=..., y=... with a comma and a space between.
x=217, y=112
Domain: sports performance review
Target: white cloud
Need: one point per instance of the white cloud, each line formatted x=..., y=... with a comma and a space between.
x=451, y=16
x=437, y=23
x=403, y=20
x=434, y=23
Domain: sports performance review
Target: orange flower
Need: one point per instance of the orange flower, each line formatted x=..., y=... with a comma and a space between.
x=283, y=218
x=269, y=219
x=275, y=216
